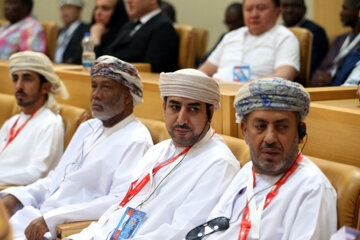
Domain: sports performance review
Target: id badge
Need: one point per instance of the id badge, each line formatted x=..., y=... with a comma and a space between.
x=241, y=73
x=129, y=224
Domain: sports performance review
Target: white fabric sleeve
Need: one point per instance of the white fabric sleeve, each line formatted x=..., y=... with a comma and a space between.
x=92, y=210
x=50, y=145
x=288, y=52
x=197, y=205
x=316, y=218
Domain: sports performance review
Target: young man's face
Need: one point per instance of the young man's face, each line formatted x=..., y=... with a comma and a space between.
x=273, y=140
x=293, y=11
x=186, y=120
x=260, y=15
x=28, y=89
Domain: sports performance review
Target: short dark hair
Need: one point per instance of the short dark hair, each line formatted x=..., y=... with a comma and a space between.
x=29, y=4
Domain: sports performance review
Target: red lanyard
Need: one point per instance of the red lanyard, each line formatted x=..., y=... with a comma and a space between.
x=14, y=133
x=133, y=191
x=245, y=224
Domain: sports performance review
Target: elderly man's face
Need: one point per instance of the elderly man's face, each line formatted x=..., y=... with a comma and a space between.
x=29, y=92
x=186, y=120
x=273, y=140
x=109, y=99
x=260, y=15
x=69, y=14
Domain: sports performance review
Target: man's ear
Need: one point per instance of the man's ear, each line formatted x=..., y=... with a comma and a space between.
x=128, y=98
x=244, y=130
x=45, y=88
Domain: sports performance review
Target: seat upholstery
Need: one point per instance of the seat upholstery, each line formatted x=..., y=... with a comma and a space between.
x=239, y=148
x=187, y=37
x=51, y=32
x=305, y=38
x=5, y=230
x=156, y=128
x=200, y=43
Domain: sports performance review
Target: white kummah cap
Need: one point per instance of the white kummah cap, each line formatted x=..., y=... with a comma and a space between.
x=78, y=3
x=190, y=83
x=41, y=64
x=120, y=71
x=271, y=94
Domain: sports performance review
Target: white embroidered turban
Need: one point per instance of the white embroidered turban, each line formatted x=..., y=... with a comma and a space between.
x=41, y=64
x=120, y=71
x=271, y=94
x=190, y=83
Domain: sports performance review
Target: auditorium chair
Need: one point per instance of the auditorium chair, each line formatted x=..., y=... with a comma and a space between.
x=156, y=128
x=345, y=179
x=5, y=230
x=51, y=33
x=187, y=37
x=200, y=44
x=305, y=38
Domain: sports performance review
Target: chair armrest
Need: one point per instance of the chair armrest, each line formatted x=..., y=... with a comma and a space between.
x=67, y=229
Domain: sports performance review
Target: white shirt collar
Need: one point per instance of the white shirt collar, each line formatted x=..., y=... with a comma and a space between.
x=149, y=16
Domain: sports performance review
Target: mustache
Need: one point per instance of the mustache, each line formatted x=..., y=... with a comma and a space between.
x=94, y=101
x=182, y=127
x=20, y=92
x=270, y=146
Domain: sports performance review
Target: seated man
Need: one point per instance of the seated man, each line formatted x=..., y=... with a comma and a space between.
x=23, y=32
x=262, y=48
x=293, y=13
x=342, y=46
x=149, y=37
x=32, y=142
x=96, y=165
x=180, y=179
x=280, y=194
x=68, y=46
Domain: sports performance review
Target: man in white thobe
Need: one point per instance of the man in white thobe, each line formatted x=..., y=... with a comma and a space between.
x=184, y=176
x=280, y=194
x=97, y=164
x=32, y=142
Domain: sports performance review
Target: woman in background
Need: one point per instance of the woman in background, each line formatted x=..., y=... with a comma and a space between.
x=108, y=18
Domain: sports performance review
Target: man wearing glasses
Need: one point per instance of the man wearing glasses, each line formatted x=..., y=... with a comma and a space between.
x=179, y=180
x=280, y=194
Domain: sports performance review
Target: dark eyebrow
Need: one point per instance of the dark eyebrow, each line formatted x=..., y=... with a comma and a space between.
x=277, y=121
x=174, y=101
x=195, y=104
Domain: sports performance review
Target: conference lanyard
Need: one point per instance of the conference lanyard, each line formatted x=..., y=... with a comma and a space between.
x=136, y=188
x=252, y=216
x=13, y=133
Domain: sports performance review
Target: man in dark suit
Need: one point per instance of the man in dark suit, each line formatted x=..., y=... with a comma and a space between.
x=68, y=48
x=149, y=37
x=293, y=12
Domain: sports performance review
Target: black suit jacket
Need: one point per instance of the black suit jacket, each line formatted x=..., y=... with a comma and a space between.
x=73, y=51
x=156, y=42
x=320, y=44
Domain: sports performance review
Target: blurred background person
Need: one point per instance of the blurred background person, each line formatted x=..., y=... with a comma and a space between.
x=23, y=32
x=342, y=45
x=234, y=19
x=68, y=46
x=109, y=16
x=293, y=14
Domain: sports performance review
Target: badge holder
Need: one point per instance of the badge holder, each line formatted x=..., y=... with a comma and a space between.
x=241, y=73
x=129, y=224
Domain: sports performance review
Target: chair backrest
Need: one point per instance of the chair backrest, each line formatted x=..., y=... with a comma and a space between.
x=346, y=181
x=200, y=43
x=5, y=230
x=156, y=128
x=72, y=117
x=305, y=38
x=187, y=51
x=51, y=32
x=239, y=148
